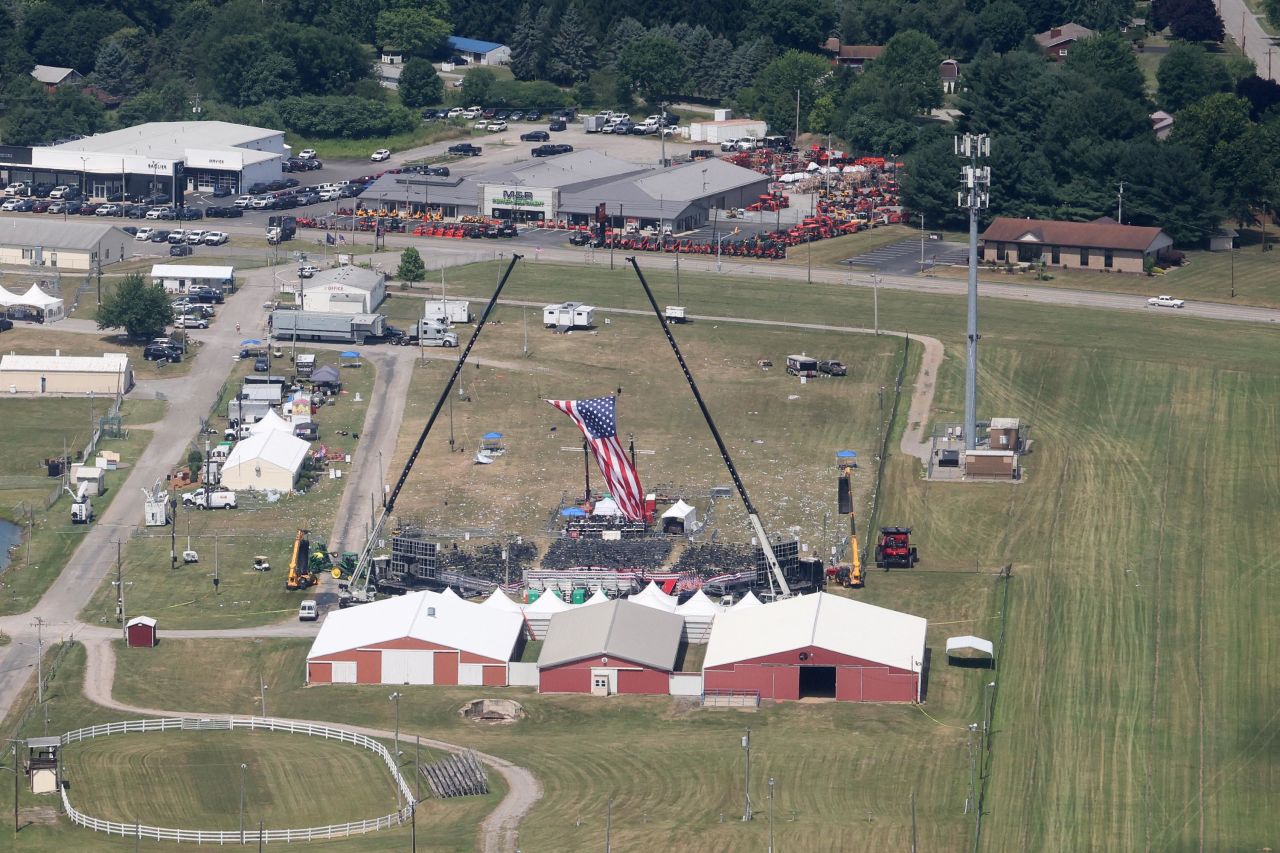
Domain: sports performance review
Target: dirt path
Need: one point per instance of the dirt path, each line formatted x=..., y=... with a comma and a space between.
x=498, y=831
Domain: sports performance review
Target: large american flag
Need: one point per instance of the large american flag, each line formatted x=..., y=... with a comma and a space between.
x=597, y=418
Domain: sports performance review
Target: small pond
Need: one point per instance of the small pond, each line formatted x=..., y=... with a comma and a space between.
x=10, y=536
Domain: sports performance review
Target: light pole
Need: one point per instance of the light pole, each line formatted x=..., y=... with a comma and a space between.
x=243, y=767
x=922, y=243
x=875, y=302
x=14, y=742
x=395, y=697
x=746, y=779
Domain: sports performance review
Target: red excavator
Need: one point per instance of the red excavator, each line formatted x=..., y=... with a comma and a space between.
x=894, y=550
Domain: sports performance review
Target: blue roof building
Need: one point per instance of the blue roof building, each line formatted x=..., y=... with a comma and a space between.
x=477, y=52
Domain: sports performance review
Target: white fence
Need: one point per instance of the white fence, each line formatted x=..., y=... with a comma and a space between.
x=248, y=836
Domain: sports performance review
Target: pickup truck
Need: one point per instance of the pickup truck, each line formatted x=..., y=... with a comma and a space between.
x=1165, y=302
x=203, y=499
x=466, y=149
x=833, y=368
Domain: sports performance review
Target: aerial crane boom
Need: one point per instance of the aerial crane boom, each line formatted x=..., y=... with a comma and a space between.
x=357, y=589
x=777, y=580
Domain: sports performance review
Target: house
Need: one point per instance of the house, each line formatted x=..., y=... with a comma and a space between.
x=1102, y=244
x=855, y=56
x=477, y=52
x=608, y=648
x=1057, y=42
x=820, y=645
x=1162, y=124
x=949, y=74
x=419, y=638
x=1224, y=240
x=52, y=76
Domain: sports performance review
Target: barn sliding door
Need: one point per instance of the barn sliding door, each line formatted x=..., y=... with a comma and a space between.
x=408, y=666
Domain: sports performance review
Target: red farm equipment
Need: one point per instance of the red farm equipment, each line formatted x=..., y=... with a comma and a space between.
x=894, y=549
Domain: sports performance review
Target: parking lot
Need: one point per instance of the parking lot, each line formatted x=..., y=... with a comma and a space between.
x=903, y=258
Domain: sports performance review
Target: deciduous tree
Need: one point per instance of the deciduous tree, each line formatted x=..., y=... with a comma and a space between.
x=1188, y=73
x=420, y=85
x=142, y=310
x=411, y=268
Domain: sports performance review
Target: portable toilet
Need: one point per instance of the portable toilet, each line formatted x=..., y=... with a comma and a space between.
x=579, y=595
x=534, y=594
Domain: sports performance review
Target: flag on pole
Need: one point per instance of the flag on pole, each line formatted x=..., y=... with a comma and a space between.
x=342, y=238
x=328, y=238
x=597, y=418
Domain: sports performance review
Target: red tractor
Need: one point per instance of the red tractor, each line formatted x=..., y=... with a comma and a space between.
x=894, y=550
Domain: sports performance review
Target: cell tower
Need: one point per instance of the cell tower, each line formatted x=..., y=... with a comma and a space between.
x=975, y=182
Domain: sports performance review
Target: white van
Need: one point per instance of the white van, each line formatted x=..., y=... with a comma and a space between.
x=307, y=611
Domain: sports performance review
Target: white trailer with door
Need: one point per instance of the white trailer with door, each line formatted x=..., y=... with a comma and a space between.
x=569, y=315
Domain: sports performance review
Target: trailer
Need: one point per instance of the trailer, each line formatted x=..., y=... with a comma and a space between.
x=802, y=365
x=676, y=314
x=316, y=326
x=432, y=335
x=593, y=124
x=305, y=365
x=447, y=310
x=569, y=315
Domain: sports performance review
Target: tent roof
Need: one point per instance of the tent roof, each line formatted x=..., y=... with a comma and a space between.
x=548, y=602
x=748, y=600
x=619, y=628
x=679, y=509
x=606, y=506
x=271, y=422
x=827, y=621
x=970, y=643
x=36, y=296
x=278, y=448
x=327, y=373
x=499, y=601
x=651, y=596
x=699, y=605
x=456, y=624
x=598, y=597
x=193, y=271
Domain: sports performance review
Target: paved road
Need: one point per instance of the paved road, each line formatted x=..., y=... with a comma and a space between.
x=1243, y=26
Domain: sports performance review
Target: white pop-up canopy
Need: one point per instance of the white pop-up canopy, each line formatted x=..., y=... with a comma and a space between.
x=598, y=597
x=652, y=596
x=606, y=506
x=679, y=518
x=748, y=600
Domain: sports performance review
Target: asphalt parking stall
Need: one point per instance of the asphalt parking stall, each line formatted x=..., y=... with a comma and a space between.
x=903, y=258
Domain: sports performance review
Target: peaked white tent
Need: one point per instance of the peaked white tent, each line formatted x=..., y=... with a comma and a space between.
x=269, y=460
x=680, y=518
x=448, y=592
x=499, y=601
x=50, y=307
x=748, y=600
x=652, y=596
x=606, y=506
x=699, y=612
x=271, y=422
x=970, y=647
x=538, y=614
x=597, y=597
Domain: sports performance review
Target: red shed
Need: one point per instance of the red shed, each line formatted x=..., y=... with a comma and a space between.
x=818, y=645
x=141, y=632
x=614, y=647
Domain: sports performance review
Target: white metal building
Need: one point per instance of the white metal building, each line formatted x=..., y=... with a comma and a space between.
x=168, y=157
x=420, y=638
x=108, y=374
x=345, y=290
x=49, y=242
x=176, y=278
x=269, y=460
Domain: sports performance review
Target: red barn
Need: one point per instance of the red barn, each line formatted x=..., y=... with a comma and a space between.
x=818, y=645
x=141, y=632
x=420, y=638
x=618, y=647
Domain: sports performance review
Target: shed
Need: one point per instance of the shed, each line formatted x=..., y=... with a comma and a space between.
x=991, y=465
x=269, y=460
x=1224, y=240
x=420, y=638
x=42, y=764
x=679, y=519
x=603, y=649
x=1003, y=434
x=108, y=374
x=178, y=278
x=969, y=648
x=92, y=476
x=821, y=646
x=140, y=632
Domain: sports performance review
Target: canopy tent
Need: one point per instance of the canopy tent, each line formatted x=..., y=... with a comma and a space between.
x=499, y=600
x=538, y=614
x=699, y=612
x=606, y=506
x=271, y=422
x=492, y=436
x=48, y=307
x=573, y=512
x=448, y=592
x=748, y=600
x=679, y=519
x=970, y=648
x=598, y=597
x=652, y=596
x=491, y=443
x=327, y=375
x=351, y=354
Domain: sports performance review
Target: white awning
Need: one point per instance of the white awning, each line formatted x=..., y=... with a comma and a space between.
x=976, y=645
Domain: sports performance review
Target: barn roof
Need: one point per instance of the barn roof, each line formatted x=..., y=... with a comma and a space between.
x=633, y=632
x=432, y=617
x=827, y=621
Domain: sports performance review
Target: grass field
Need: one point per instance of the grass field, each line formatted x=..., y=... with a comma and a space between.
x=360, y=149
x=228, y=540
x=41, y=340
x=192, y=780
x=832, y=252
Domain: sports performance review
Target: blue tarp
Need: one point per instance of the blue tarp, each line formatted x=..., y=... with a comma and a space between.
x=349, y=354
x=845, y=454
x=492, y=436
x=573, y=512
x=250, y=342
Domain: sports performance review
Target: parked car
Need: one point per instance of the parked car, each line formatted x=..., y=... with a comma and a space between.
x=10, y=204
x=557, y=126
x=160, y=213
x=177, y=235
x=466, y=149
x=5, y=324
x=89, y=208
x=551, y=150
x=456, y=112
x=833, y=368
x=516, y=115
x=533, y=115
x=496, y=126
x=195, y=236
x=535, y=136
x=144, y=233
x=307, y=271
x=307, y=154
x=59, y=191
x=162, y=352
x=181, y=251
x=1165, y=302
x=438, y=171
x=188, y=322
x=243, y=201
x=221, y=192
x=135, y=211
x=492, y=112
x=472, y=113
x=159, y=235
x=24, y=205
x=108, y=210
x=41, y=205
x=261, y=365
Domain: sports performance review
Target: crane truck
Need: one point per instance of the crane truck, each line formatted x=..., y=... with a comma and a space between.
x=300, y=575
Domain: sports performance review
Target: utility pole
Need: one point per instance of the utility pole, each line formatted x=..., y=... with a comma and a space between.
x=922, y=243
x=262, y=694
x=746, y=779
x=974, y=195
x=797, y=136
x=417, y=789
x=1120, y=206
x=608, y=827
x=770, y=814
x=875, y=302
x=39, y=623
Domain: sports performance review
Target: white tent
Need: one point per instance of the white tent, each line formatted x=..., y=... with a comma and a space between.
x=680, y=518
x=269, y=460
x=748, y=600
x=498, y=599
x=652, y=596
x=8, y=298
x=538, y=614
x=598, y=597
x=271, y=422
x=448, y=592
x=699, y=612
x=606, y=506
x=970, y=648
x=50, y=307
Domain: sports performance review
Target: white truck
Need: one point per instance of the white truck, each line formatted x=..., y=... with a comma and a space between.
x=569, y=315
x=432, y=335
x=676, y=314
x=210, y=499
x=81, y=505
x=447, y=310
x=307, y=611
x=1163, y=301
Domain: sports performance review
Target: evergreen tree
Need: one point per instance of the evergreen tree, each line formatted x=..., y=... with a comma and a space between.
x=572, y=50
x=411, y=268
x=524, y=46
x=115, y=70
x=543, y=26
